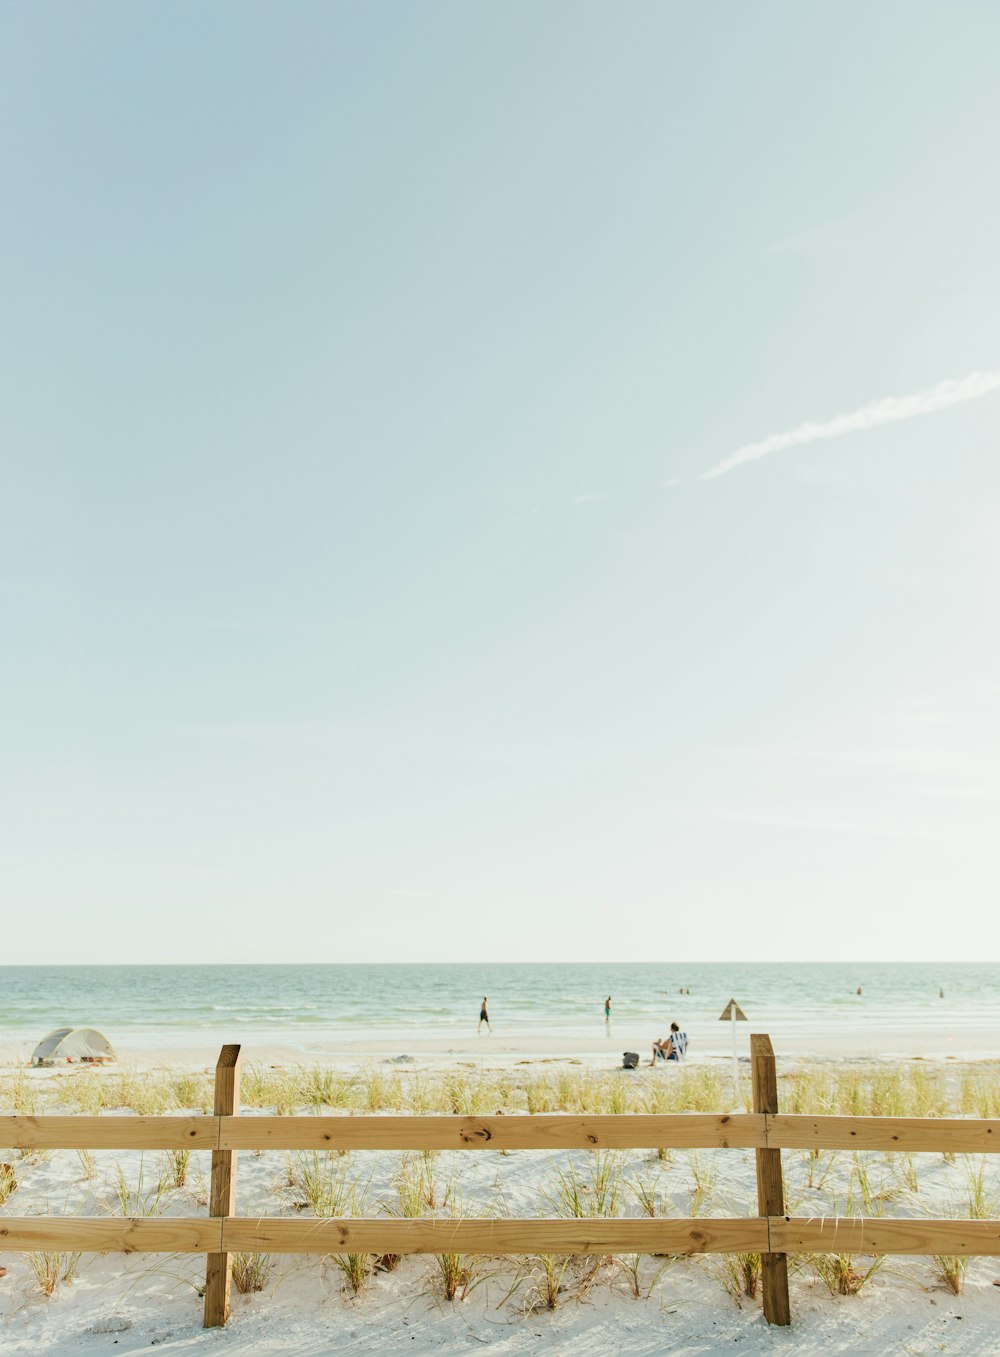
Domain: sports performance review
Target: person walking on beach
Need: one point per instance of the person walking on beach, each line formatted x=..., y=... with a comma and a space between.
x=607, y=1010
x=484, y=1017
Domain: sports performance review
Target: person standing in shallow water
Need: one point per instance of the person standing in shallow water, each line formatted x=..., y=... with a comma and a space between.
x=484, y=1017
x=607, y=1010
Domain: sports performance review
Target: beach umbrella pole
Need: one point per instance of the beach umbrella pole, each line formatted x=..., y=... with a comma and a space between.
x=736, y=1064
x=735, y=1014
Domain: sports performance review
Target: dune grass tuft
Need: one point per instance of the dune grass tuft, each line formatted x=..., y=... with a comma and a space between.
x=251, y=1271
x=739, y=1275
x=950, y=1270
x=136, y=1199
x=50, y=1268
x=841, y=1274
x=458, y=1274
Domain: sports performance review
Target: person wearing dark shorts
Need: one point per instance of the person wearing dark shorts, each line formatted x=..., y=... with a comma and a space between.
x=673, y=1047
x=484, y=1017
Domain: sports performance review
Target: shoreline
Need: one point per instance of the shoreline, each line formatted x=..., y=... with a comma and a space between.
x=505, y=1050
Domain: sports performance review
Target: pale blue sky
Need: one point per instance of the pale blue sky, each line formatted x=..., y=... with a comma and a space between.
x=350, y=353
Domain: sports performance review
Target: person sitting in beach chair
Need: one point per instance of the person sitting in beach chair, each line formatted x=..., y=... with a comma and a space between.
x=673, y=1047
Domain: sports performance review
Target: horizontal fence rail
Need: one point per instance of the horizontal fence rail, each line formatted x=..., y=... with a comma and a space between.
x=639, y=1131
x=772, y=1234
x=110, y=1133
x=178, y=1234
x=517, y=1131
x=909, y=1135
x=319, y=1235
x=848, y=1234
x=672, y=1235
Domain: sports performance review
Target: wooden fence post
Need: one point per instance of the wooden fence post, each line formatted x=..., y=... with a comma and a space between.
x=770, y=1187
x=222, y=1195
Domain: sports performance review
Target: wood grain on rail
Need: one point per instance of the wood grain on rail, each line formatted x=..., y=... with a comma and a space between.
x=952, y=1135
x=635, y=1235
x=699, y=1234
x=874, y=1235
x=687, y=1130
x=109, y=1133
x=556, y=1131
x=115, y=1234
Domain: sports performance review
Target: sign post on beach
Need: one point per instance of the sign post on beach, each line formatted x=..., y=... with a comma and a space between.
x=735, y=1014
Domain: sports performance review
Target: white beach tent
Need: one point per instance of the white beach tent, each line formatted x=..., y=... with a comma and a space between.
x=73, y=1043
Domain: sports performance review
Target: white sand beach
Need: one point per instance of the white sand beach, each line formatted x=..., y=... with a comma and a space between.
x=711, y=1042
x=130, y=1306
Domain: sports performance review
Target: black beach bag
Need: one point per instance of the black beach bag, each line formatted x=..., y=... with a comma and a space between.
x=630, y=1060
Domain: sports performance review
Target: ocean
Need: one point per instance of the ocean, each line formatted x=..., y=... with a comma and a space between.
x=313, y=1008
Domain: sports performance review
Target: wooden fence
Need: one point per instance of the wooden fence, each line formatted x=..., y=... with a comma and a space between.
x=771, y=1234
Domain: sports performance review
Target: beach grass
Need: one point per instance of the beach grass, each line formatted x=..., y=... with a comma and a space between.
x=356, y=1267
x=50, y=1268
x=458, y=1274
x=8, y=1181
x=950, y=1270
x=544, y=1278
x=320, y=1181
x=251, y=1272
x=858, y=1090
x=135, y=1199
x=739, y=1275
x=842, y=1274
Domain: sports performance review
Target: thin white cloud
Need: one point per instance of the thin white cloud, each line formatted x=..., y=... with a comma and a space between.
x=870, y=416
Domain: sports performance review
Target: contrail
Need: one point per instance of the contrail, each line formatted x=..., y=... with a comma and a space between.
x=870, y=416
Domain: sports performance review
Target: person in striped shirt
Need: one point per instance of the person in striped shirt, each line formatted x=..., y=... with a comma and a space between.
x=672, y=1047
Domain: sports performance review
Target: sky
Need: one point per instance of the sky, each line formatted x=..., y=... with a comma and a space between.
x=510, y=482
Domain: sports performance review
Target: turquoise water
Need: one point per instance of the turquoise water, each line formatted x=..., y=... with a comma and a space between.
x=309, y=1005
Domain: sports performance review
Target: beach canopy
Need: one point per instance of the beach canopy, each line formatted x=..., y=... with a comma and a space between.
x=73, y=1043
